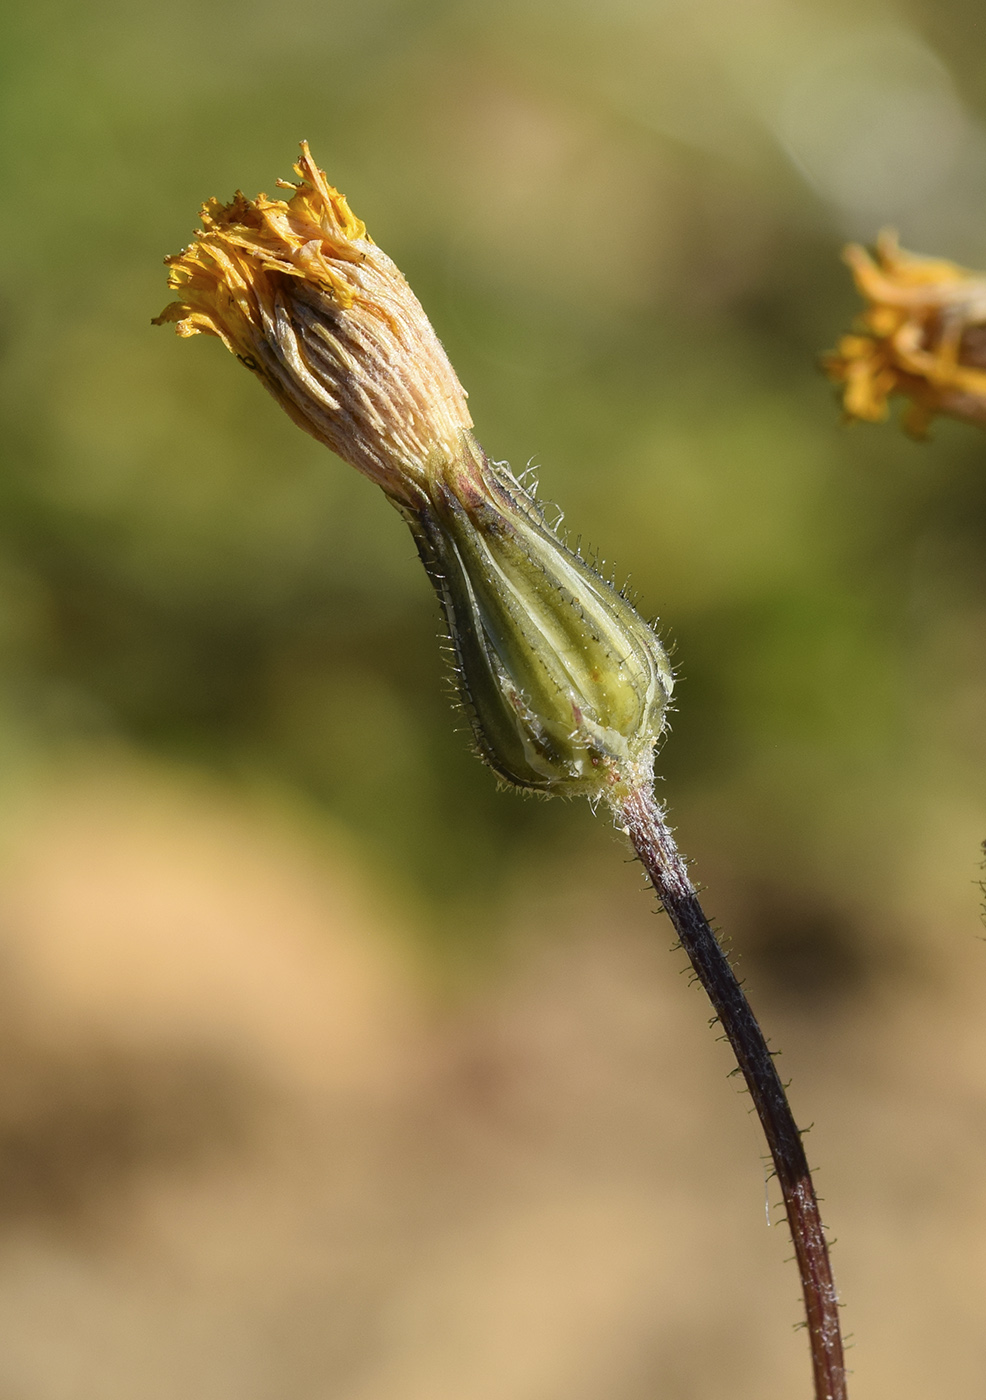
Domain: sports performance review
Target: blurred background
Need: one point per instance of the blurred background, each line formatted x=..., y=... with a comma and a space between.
x=328, y=1069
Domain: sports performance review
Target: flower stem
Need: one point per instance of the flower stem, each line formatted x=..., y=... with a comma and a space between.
x=643, y=820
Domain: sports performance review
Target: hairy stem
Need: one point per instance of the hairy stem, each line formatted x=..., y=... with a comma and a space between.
x=644, y=822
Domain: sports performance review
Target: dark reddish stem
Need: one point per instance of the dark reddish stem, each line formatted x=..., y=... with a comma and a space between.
x=644, y=822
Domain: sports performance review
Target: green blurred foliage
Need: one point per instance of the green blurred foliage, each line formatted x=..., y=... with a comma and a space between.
x=625, y=223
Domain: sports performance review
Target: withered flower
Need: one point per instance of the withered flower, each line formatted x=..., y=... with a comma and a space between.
x=304, y=298
x=921, y=335
x=565, y=684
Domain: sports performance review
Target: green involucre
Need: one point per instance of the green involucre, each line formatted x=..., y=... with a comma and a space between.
x=565, y=684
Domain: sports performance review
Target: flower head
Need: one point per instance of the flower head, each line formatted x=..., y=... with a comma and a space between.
x=303, y=297
x=565, y=685
x=922, y=334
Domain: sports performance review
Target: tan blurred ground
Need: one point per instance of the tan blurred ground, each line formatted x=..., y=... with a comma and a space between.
x=243, y=1153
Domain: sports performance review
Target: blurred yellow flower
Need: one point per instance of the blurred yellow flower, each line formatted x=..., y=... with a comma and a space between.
x=299, y=292
x=922, y=335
